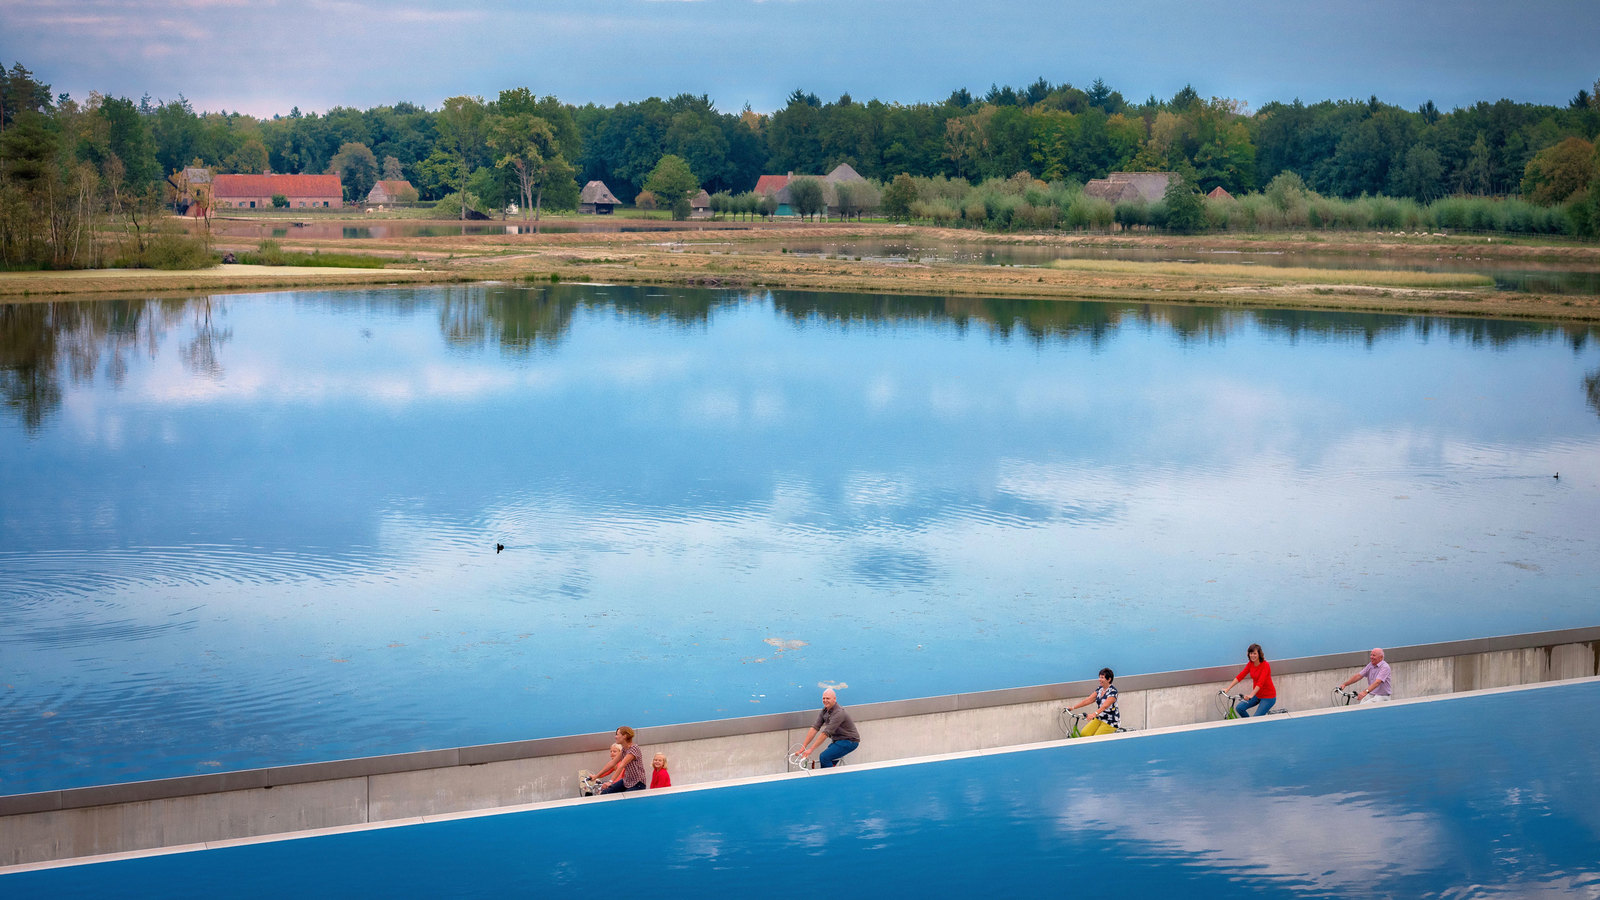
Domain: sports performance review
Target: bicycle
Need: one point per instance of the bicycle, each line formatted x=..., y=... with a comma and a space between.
x=1228, y=703
x=1342, y=697
x=806, y=763
x=1071, y=723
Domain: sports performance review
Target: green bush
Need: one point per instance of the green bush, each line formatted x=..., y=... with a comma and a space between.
x=171, y=249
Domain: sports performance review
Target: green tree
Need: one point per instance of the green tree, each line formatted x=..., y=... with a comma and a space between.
x=898, y=197
x=492, y=189
x=807, y=196
x=20, y=93
x=357, y=169
x=176, y=132
x=1556, y=174
x=1186, y=210
x=671, y=181
x=392, y=170
x=249, y=159
x=1477, y=176
x=527, y=147
x=461, y=133
x=436, y=175
x=1421, y=174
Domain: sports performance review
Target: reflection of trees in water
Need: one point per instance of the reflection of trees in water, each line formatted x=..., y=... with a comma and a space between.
x=513, y=318
x=1096, y=321
x=41, y=344
x=45, y=345
x=1591, y=389
x=524, y=318
x=200, y=352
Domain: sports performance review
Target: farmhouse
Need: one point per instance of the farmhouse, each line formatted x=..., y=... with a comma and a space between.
x=256, y=191
x=1219, y=193
x=597, y=199
x=1130, y=187
x=386, y=193
x=778, y=187
x=191, y=190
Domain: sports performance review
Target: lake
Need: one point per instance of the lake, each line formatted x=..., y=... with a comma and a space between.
x=255, y=530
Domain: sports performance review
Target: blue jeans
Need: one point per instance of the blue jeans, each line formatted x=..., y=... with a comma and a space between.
x=836, y=750
x=617, y=787
x=1244, y=706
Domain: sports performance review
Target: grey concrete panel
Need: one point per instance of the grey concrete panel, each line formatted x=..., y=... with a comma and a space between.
x=1500, y=668
x=959, y=731
x=402, y=795
x=1422, y=677
x=1185, y=705
x=720, y=758
x=180, y=820
x=1572, y=661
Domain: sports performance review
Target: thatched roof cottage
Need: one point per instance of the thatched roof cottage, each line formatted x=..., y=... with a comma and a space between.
x=1120, y=187
x=597, y=199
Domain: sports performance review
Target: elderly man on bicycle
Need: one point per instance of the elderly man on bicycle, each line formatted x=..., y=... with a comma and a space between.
x=1379, y=688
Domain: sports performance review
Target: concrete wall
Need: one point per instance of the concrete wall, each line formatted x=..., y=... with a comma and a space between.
x=66, y=824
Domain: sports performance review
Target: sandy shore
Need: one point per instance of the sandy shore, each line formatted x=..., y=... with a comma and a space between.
x=745, y=258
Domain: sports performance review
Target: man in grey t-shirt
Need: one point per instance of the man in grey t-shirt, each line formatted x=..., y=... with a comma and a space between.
x=835, y=723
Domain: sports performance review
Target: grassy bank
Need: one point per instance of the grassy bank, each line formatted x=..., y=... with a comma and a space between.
x=717, y=256
x=1282, y=274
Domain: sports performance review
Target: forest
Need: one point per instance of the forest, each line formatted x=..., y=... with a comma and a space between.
x=1013, y=157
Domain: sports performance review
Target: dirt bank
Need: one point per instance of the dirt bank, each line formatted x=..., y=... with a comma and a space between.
x=719, y=256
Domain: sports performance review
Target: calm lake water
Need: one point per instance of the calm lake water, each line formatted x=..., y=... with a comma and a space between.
x=1358, y=804
x=255, y=530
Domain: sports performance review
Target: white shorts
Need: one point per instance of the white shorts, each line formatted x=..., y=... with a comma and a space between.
x=1376, y=698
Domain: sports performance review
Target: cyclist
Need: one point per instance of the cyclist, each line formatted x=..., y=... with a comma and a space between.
x=1105, y=718
x=1262, y=691
x=1379, y=686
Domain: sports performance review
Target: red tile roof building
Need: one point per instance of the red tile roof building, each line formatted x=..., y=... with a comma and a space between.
x=256, y=191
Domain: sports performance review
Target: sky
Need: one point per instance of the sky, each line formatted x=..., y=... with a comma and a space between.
x=264, y=57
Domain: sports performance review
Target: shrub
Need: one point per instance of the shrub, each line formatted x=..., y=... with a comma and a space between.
x=1129, y=213
x=170, y=250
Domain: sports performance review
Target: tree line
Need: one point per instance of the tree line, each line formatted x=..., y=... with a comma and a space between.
x=66, y=165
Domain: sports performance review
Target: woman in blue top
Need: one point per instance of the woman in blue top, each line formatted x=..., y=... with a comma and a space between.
x=1104, y=719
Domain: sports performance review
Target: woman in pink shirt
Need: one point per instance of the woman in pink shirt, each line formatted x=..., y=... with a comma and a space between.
x=1262, y=691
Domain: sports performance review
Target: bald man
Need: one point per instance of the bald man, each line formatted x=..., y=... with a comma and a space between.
x=832, y=722
x=1379, y=688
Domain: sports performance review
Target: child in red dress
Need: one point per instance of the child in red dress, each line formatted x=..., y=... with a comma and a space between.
x=659, y=778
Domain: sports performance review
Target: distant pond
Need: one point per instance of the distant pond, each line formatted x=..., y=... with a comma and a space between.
x=261, y=529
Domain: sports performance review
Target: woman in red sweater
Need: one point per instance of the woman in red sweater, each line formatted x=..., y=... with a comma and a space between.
x=1262, y=691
